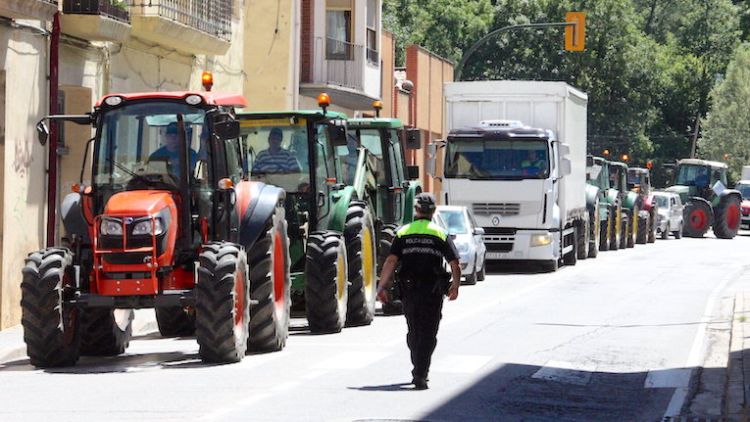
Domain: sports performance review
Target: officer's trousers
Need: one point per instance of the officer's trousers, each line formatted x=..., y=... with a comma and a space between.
x=423, y=307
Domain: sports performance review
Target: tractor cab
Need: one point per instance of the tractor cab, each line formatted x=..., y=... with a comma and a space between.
x=618, y=173
x=698, y=178
x=639, y=180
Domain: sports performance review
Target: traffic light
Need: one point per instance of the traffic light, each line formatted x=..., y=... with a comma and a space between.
x=575, y=35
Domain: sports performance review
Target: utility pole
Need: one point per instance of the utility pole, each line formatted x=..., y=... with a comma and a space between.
x=695, y=134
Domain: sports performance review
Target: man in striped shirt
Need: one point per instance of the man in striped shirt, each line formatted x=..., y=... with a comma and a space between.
x=276, y=159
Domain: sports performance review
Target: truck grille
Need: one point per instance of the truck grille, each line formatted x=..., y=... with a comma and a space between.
x=488, y=208
x=499, y=231
x=499, y=247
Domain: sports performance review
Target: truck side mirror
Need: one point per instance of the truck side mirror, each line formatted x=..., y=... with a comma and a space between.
x=412, y=172
x=413, y=138
x=479, y=231
x=337, y=129
x=564, y=149
x=229, y=129
x=431, y=157
x=566, y=167
x=42, y=132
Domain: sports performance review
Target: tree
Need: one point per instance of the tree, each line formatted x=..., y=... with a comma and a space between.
x=727, y=127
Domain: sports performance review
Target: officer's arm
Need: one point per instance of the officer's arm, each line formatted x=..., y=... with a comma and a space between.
x=386, y=277
x=456, y=273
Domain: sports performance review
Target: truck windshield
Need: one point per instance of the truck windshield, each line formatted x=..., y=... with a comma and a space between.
x=480, y=159
x=744, y=189
x=140, y=145
x=278, y=152
x=692, y=175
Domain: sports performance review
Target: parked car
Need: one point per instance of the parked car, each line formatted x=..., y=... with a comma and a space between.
x=744, y=187
x=669, y=218
x=467, y=236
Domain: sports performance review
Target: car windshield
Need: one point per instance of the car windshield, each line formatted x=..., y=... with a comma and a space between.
x=662, y=201
x=744, y=189
x=479, y=159
x=278, y=152
x=455, y=221
x=692, y=175
x=140, y=144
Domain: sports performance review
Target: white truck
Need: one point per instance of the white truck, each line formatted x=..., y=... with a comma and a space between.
x=516, y=157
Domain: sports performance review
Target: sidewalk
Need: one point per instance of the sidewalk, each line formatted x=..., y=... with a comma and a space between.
x=13, y=348
x=738, y=385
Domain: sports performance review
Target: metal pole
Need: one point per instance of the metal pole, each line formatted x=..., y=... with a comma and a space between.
x=467, y=55
x=695, y=134
x=53, y=131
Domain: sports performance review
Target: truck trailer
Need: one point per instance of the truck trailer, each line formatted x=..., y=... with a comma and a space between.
x=516, y=157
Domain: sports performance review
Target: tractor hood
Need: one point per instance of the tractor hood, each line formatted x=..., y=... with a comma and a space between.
x=139, y=203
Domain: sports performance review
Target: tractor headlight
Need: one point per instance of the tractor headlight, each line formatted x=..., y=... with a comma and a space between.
x=541, y=239
x=111, y=227
x=144, y=228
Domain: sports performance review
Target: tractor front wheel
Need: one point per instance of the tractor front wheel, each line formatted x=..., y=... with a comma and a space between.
x=270, y=287
x=326, y=284
x=643, y=230
x=605, y=233
x=360, y=252
x=727, y=217
x=105, y=332
x=595, y=227
x=697, y=217
x=387, y=235
x=50, y=325
x=221, y=303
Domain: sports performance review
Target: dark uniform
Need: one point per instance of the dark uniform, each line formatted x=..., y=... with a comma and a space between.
x=421, y=247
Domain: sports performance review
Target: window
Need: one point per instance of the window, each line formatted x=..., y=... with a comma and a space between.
x=372, y=31
x=234, y=160
x=339, y=35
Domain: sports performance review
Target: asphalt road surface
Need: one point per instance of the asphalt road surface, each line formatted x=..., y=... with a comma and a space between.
x=612, y=338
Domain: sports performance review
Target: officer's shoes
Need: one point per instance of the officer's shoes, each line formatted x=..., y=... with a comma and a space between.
x=419, y=383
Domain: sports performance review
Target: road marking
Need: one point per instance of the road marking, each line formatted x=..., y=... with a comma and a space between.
x=351, y=360
x=459, y=364
x=565, y=372
x=668, y=378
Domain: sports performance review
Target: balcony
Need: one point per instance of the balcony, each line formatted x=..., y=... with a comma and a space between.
x=191, y=26
x=344, y=70
x=28, y=9
x=96, y=20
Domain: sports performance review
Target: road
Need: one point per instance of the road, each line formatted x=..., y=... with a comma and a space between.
x=613, y=338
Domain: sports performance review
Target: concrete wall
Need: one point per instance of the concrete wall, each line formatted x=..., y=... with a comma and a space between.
x=388, y=80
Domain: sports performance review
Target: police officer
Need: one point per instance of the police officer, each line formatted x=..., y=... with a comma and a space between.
x=420, y=248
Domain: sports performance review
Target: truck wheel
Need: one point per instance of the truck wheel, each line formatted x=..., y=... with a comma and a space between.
x=697, y=218
x=643, y=227
x=571, y=258
x=678, y=233
x=665, y=233
x=652, y=225
x=595, y=232
x=361, y=254
x=326, y=285
x=605, y=233
x=727, y=217
x=175, y=321
x=221, y=303
x=270, y=287
x=105, y=332
x=583, y=240
x=387, y=234
x=50, y=325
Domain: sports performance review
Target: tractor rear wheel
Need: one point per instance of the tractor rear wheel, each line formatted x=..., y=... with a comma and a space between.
x=643, y=228
x=360, y=252
x=652, y=225
x=50, y=326
x=270, y=287
x=614, y=239
x=625, y=230
x=326, y=284
x=605, y=232
x=387, y=235
x=105, y=332
x=727, y=217
x=175, y=321
x=221, y=303
x=697, y=218
x=595, y=232
x=583, y=240
x=632, y=233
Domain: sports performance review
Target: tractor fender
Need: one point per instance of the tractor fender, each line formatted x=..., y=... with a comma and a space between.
x=631, y=200
x=592, y=195
x=340, y=201
x=729, y=192
x=73, y=220
x=699, y=199
x=613, y=196
x=257, y=202
x=415, y=188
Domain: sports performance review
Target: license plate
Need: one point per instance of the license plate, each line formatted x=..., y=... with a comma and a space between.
x=497, y=255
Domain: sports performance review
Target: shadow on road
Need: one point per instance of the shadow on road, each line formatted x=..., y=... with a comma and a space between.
x=404, y=386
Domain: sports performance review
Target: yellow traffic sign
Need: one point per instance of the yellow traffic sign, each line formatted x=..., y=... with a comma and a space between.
x=575, y=35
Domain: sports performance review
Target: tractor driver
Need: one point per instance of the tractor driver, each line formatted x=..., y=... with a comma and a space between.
x=170, y=151
x=276, y=159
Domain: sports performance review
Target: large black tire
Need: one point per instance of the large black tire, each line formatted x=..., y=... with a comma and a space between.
x=362, y=256
x=632, y=233
x=727, y=217
x=387, y=235
x=697, y=218
x=583, y=240
x=595, y=232
x=105, y=332
x=482, y=274
x=616, y=234
x=643, y=228
x=176, y=321
x=605, y=233
x=652, y=225
x=221, y=303
x=665, y=233
x=326, y=285
x=50, y=326
x=625, y=230
x=270, y=287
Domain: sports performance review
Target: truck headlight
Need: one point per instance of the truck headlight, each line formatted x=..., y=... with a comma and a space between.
x=144, y=228
x=541, y=239
x=111, y=227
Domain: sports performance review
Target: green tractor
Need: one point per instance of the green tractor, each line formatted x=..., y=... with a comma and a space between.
x=708, y=203
x=331, y=229
x=631, y=204
x=394, y=185
x=639, y=182
x=610, y=205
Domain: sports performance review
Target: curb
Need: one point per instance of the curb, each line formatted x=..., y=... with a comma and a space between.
x=736, y=402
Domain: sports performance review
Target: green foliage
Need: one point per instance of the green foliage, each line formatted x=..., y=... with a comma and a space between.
x=727, y=127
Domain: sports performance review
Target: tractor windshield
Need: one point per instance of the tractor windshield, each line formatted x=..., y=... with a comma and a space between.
x=371, y=140
x=139, y=145
x=693, y=175
x=478, y=159
x=278, y=152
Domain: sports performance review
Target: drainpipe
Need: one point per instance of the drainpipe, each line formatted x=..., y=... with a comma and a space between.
x=54, y=50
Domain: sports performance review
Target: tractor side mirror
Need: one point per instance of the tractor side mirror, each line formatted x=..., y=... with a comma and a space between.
x=413, y=138
x=229, y=129
x=412, y=172
x=42, y=132
x=337, y=130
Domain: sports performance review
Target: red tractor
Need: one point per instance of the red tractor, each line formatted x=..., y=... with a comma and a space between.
x=169, y=222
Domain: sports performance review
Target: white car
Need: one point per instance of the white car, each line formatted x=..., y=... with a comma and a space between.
x=467, y=236
x=669, y=214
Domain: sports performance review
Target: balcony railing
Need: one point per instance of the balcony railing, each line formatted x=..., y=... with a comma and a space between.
x=338, y=63
x=210, y=16
x=114, y=9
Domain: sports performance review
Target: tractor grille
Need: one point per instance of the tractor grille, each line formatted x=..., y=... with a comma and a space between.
x=126, y=258
x=497, y=208
x=499, y=247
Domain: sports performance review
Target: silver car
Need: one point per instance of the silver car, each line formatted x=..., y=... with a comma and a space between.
x=669, y=214
x=467, y=237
